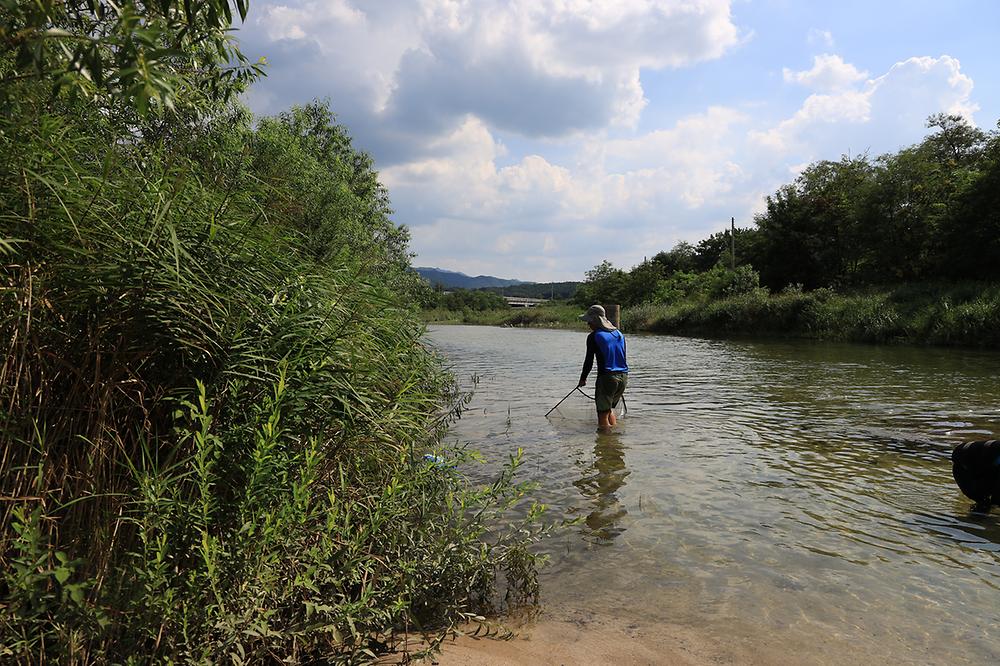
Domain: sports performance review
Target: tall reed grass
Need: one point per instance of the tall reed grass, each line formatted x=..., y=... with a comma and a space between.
x=215, y=402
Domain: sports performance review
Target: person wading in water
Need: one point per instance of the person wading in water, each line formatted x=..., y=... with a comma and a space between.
x=608, y=344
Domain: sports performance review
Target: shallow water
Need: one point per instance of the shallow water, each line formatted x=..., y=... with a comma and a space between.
x=780, y=493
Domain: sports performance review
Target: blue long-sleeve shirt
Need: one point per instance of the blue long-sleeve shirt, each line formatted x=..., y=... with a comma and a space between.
x=609, y=348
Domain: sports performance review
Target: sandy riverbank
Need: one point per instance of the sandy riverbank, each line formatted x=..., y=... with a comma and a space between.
x=581, y=639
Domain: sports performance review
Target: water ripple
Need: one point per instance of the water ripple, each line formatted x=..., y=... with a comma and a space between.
x=785, y=487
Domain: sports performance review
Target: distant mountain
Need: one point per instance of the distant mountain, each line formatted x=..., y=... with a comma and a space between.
x=456, y=280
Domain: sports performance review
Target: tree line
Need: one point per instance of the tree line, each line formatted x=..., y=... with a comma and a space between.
x=549, y=290
x=487, y=298
x=928, y=212
x=461, y=299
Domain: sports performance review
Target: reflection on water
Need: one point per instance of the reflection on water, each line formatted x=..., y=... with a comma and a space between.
x=791, y=490
x=599, y=482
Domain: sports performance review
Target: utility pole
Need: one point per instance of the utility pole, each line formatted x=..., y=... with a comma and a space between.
x=732, y=242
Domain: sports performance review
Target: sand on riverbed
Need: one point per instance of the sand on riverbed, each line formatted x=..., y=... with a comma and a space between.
x=588, y=640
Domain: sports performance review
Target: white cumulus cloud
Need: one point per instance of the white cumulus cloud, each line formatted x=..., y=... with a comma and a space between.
x=650, y=190
x=535, y=67
x=514, y=137
x=829, y=72
x=879, y=115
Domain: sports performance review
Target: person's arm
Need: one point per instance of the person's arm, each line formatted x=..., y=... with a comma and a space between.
x=588, y=362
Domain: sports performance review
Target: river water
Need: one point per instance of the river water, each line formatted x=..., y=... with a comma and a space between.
x=790, y=494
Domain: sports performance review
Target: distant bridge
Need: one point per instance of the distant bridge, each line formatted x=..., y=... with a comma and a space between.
x=521, y=302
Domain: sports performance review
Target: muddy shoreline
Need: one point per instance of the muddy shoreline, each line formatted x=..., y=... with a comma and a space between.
x=580, y=637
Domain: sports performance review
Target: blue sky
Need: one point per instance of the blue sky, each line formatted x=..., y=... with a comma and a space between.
x=535, y=138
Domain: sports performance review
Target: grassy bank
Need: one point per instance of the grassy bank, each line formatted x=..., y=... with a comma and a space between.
x=961, y=314
x=966, y=314
x=214, y=402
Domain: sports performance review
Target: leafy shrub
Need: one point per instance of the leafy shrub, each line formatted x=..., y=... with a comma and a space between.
x=641, y=317
x=974, y=323
x=677, y=287
x=718, y=282
x=868, y=318
x=743, y=280
x=793, y=289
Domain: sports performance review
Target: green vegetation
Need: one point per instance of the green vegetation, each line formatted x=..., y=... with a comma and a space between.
x=475, y=300
x=214, y=403
x=905, y=247
x=550, y=290
x=901, y=248
x=942, y=314
x=155, y=55
x=548, y=315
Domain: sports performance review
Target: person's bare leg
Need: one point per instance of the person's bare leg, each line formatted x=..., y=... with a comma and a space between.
x=603, y=421
x=612, y=419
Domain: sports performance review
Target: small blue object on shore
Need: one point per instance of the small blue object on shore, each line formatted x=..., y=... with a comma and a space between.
x=436, y=461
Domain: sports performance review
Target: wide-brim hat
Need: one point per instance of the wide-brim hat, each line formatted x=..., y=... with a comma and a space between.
x=596, y=314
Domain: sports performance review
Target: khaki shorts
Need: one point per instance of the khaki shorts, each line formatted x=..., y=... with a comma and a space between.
x=609, y=390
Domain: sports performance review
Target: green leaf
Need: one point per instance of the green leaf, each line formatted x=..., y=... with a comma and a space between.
x=9, y=245
x=76, y=592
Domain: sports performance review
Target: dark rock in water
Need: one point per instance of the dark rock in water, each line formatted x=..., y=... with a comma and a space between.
x=976, y=468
